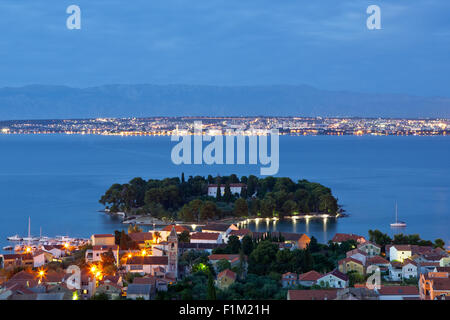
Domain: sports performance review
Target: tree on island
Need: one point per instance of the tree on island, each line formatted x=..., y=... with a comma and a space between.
x=267, y=197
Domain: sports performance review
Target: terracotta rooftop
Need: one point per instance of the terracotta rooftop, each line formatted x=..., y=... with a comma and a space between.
x=342, y=237
x=205, y=236
x=229, y=257
x=348, y=259
x=151, y=260
x=309, y=276
x=325, y=294
x=232, y=185
x=240, y=232
x=103, y=235
x=178, y=228
x=141, y=236
x=398, y=290
x=337, y=274
x=377, y=260
x=227, y=273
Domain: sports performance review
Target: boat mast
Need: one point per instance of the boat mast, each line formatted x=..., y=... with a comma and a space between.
x=29, y=230
x=396, y=213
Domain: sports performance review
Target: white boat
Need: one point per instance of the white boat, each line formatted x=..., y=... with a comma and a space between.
x=14, y=238
x=8, y=248
x=397, y=223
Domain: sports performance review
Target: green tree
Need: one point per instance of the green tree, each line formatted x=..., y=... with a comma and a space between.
x=379, y=238
x=223, y=264
x=211, y=293
x=234, y=245
x=262, y=257
x=184, y=237
x=227, y=196
x=247, y=244
x=240, y=208
x=439, y=243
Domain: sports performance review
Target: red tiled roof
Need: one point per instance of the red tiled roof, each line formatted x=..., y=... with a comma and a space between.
x=141, y=236
x=337, y=274
x=288, y=275
x=103, y=235
x=309, y=276
x=178, y=228
x=441, y=284
x=240, y=232
x=205, y=236
x=151, y=260
x=355, y=251
x=145, y=280
x=54, y=276
x=377, y=260
x=232, y=185
x=398, y=290
x=227, y=273
x=229, y=257
x=325, y=294
x=342, y=237
x=345, y=260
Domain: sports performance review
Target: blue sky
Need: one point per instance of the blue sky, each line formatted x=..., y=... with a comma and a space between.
x=323, y=43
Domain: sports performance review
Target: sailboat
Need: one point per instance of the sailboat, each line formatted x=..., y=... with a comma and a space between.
x=397, y=223
x=14, y=238
x=29, y=238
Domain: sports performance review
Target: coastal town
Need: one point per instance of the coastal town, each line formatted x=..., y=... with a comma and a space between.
x=223, y=261
x=168, y=126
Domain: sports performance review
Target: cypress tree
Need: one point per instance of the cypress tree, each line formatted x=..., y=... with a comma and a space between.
x=211, y=293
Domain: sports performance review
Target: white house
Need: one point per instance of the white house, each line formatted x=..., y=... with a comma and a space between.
x=95, y=254
x=206, y=237
x=400, y=252
x=222, y=228
x=395, y=271
x=358, y=255
x=333, y=279
x=41, y=257
x=409, y=270
x=153, y=265
x=235, y=188
x=56, y=251
x=370, y=248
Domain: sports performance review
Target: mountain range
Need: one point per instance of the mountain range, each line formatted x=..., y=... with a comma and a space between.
x=146, y=100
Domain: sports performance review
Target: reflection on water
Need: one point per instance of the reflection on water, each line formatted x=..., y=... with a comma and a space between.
x=323, y=229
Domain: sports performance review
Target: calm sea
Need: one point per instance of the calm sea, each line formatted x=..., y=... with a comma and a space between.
x=58, y=179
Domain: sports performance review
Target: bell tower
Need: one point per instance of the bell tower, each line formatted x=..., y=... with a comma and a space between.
x=173, y=252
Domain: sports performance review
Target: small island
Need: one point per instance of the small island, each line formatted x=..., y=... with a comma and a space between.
x=199, y=199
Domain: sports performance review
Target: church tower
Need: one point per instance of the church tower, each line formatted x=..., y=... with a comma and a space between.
x=173, y=252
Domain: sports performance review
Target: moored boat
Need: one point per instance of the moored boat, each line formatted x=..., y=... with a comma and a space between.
x=397, y=223
x=14, y=238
